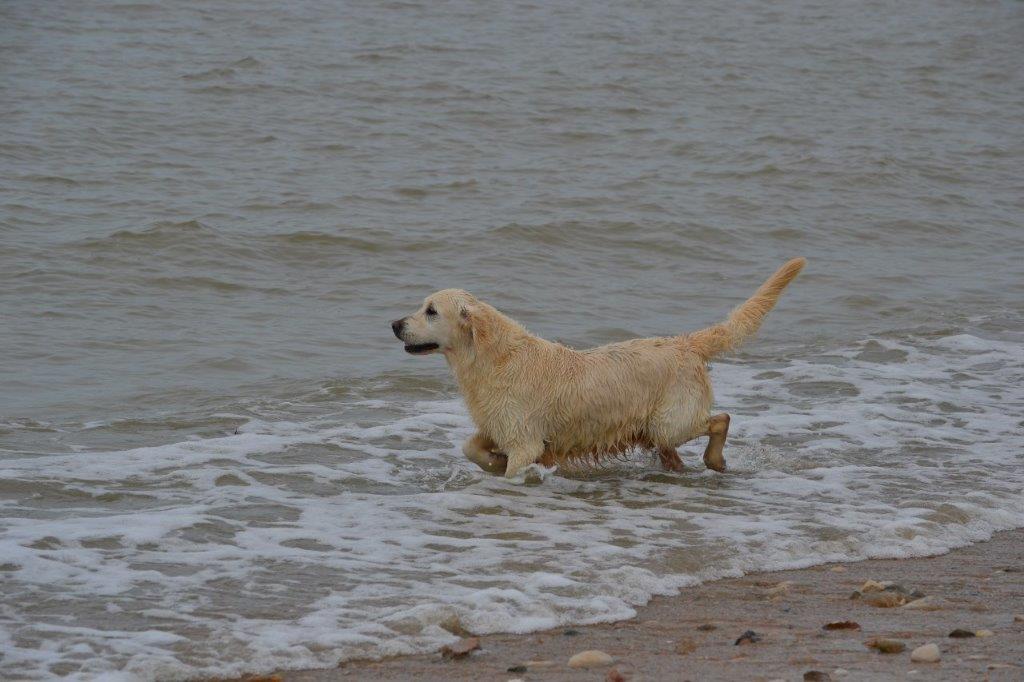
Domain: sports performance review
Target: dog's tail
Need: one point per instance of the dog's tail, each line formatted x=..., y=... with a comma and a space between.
x=746, y=318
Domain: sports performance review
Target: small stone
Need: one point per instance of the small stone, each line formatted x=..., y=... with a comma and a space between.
x=999, y=666
x=571, y=633
x=590, y=659
x=614, y=676
x=707, y=627
x=885, y=646
x=816, y=676
x=841, y=625
x=872, y=586
x=840, y=672
x=453, y=625
x=461, y=648
x=748, y=637
x=923, y=604
x=686, y=646
x=960, y=633
x=926, y=653
x=516, y=669
x=1019, y=618
x=886, y=600
x=984, y=633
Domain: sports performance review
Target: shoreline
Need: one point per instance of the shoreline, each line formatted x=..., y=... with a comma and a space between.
x=692, y=635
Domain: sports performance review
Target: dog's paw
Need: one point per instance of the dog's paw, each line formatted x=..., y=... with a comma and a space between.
x=496, y=463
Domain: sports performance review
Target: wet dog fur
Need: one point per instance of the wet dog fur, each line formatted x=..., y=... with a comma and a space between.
x=533, y=400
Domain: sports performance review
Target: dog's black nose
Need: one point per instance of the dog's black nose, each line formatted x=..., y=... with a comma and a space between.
x=397, y=327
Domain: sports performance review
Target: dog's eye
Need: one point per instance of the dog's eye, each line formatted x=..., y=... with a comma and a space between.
x=430, y=310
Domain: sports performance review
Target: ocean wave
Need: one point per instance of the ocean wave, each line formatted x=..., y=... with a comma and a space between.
x=158, y=234
x=365, y=533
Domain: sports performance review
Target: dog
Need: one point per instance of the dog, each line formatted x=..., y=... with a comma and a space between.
x=537, y=401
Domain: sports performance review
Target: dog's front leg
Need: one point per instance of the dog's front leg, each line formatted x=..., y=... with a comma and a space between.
x=478, y=449
x=522, y=455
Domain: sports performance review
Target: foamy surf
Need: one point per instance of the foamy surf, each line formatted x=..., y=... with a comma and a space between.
x=296, y=544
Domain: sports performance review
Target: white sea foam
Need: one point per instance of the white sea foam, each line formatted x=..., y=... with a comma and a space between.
x=296, y=544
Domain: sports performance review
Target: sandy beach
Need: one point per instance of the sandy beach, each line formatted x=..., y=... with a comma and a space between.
x=693, y=636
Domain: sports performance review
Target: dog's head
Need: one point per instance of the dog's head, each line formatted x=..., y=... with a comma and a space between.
x=443, y=323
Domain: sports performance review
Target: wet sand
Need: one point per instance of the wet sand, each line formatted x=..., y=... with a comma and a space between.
x=692, y=636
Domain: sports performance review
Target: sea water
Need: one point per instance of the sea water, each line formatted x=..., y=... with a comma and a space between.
x=216, y=459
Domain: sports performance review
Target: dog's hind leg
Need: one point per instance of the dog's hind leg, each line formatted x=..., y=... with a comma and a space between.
x=670, y=460
x=718, y=429
x=478, y=449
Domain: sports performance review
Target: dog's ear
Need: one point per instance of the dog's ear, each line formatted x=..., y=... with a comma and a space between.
x=471, y=318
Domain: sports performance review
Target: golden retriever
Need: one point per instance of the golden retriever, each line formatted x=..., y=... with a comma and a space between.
x=537, y=401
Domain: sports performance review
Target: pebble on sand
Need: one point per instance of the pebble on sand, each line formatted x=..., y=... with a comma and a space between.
x=923, y=604
x=926, y=653
x=887, y=594
x=841, y=625
x=983, y=633
x=748, y=637
x=461, y=648
x=1019, y=618
x=872, y=586
x=961, y=633
x=453, y=625
x=885, y=600
x=590, y=659
x=816, y=676
x=614, y=676
x=885, y=646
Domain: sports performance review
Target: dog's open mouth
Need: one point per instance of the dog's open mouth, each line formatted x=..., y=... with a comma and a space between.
x=417, y=348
